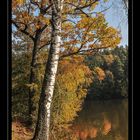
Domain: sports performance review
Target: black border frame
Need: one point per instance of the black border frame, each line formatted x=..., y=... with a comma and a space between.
x=5, y=63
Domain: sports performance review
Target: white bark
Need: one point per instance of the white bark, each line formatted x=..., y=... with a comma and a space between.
x=43, y=123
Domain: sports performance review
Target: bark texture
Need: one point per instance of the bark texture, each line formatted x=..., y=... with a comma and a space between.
x=43, y=122
x=32, y=76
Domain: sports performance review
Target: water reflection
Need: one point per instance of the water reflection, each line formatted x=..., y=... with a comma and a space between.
x=106, y=120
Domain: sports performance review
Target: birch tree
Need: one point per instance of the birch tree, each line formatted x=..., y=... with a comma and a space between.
x=61, y=10
x=43, y=123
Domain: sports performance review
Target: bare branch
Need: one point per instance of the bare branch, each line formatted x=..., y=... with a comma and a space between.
x=82, y=44
x=35, y=3
x=102, y=10
x=42, y=9
x=77, y=8
x=23, y=30
x=43, y=28
x=66, y=20
x=88, y=5
x=46, y=44
x=83, y=52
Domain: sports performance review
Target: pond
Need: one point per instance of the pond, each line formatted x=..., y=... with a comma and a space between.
x=102, y=120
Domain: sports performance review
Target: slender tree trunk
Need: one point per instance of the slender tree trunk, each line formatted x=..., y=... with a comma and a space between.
x=31, y=106
x=43, y=122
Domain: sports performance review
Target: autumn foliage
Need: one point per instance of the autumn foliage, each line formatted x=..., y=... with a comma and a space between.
x=84, y=33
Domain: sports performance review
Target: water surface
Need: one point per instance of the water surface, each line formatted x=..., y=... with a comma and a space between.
x=102, y=120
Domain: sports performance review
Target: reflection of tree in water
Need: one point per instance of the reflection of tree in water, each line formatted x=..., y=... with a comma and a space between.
x=102, y=121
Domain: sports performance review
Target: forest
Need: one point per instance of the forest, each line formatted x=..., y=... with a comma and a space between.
x=64, y=54
x=110, y=74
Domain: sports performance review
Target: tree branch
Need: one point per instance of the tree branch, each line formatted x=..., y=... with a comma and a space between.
x=35, y=3
x=45, y=45
x=102, y=10
x=88, y=5
x=82, y=52
x=77, y=8
x=82, y=44
x=43, y=28
x=66, y=20
x=23, y=30
x=43, y=10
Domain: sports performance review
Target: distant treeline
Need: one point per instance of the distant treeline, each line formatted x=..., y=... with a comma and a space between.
x=110, y=74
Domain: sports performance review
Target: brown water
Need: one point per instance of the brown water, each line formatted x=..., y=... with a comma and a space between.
x=102, y=120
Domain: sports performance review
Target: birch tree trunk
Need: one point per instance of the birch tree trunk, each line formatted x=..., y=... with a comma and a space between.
x=43, y=122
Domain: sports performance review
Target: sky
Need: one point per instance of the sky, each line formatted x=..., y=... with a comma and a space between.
x=116, y=17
